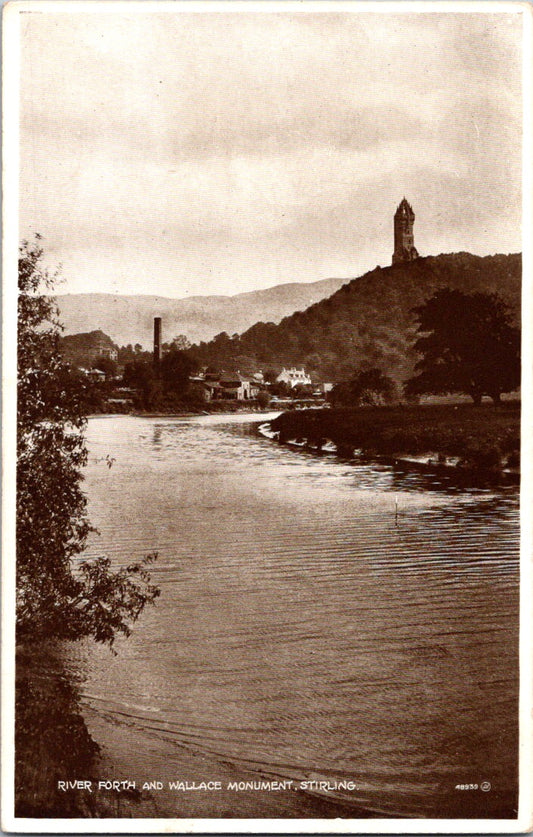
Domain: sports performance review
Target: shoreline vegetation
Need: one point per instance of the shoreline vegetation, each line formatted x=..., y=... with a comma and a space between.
x=478, y=441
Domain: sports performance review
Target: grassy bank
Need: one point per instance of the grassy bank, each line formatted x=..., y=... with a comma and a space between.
x=483, y=438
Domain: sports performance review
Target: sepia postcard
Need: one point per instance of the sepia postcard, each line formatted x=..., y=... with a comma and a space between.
x=267, y=451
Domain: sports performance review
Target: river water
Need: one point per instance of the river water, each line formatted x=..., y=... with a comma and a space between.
x=318, y=621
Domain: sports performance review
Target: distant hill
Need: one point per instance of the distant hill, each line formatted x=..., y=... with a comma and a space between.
x=369, y=321
x=129, y=319
x=82, y=349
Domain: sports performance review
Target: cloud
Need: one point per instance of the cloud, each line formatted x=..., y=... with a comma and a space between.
x=233, y=144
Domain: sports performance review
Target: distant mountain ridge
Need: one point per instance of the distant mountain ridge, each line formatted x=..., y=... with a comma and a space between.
x=129, y=319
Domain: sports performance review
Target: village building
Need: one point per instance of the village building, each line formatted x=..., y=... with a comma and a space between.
x=95, y=375
x=229, y=386
x=323, y=388
x=103, y=347
x=293, y=377
x=235, y=386
x=210, y=389
x=106, y=351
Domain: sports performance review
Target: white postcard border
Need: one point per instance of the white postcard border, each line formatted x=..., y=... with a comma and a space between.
x=11, y=66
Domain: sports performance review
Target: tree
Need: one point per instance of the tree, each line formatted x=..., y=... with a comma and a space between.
x=269, y=376
x=302, y=391
x=180, y=342
x=140, y=376
x=370, y=387
x=263, y=398
x=467, y=344
x=105, y=365
x=341, y=394
x=59, y=595
x=176, y=368
x=281, y=389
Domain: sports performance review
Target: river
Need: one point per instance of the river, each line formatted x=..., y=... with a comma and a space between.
x=318, y=621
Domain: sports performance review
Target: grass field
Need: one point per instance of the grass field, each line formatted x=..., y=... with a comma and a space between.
x=481, y=438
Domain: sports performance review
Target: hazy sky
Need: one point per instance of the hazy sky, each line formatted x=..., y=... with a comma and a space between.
x=182, y=153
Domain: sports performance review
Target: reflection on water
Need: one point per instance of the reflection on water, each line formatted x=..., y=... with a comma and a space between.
x=51, y=741
x=53, y=746
x=317, y=620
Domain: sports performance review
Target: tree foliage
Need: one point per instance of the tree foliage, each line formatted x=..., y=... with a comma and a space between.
x=370, y=387
x=180, y=343
x=263, y=398
x=139, y=374
x=166, y=386
x=176, y=367
x=467, y=344
x=105, y=365
x=58, y=593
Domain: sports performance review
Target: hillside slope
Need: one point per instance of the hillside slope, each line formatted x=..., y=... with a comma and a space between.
x=129, y=319
x=82, y=349
x=369, y=321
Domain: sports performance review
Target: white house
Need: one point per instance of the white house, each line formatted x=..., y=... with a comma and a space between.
x=293, y=377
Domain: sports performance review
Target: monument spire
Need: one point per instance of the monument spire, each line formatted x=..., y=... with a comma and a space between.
x=404, y=242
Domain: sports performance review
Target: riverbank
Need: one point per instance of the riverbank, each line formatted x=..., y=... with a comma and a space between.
x=196, y=413
x=464, y=437
x=239, y=415
x=217, y=408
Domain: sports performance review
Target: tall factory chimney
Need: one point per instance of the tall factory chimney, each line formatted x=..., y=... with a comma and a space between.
x=157, y=342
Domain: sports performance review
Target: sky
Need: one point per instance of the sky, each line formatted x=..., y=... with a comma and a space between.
x=178, y=153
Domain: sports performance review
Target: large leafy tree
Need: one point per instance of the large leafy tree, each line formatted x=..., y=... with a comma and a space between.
x=467, y=344
x=58, y=593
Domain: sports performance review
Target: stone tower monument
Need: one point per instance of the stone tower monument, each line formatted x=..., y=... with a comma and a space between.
x=404, y=242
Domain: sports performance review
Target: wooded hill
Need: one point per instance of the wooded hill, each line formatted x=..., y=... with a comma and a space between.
x=82, y=349
x=369, y=322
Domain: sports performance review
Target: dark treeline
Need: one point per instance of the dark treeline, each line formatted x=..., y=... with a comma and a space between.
x=166, y=386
